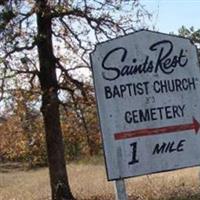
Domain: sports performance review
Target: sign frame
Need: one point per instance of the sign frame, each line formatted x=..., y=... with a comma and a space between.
x=157, y=129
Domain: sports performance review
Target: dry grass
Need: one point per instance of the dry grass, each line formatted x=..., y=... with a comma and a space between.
x=89, y=182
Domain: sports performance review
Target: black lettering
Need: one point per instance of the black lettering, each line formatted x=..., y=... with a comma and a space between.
x=160, y=112
x=116, y=91
x=122, y=90
x=172, y=148
x=156, y=86
x=153, y=114
x=135, y=116
x=125, y=70
x=185, y=84
x=166, y=62
x=181, y=108
x=144, y=115
x=180, y=145
x=140, y=89
x=176, y=111
x=114, y=70
x=178, y=85
x=128, y=117
x=174, y=85
x=134, y=160
x=168, y=112
x=171, y=86
x=162, y=63
x=159, y=148
x=146, y=87
x=156, y=113
x=108, y=92
x=182, y=59
x=192, y=84
x=169, y=147
x=129, y=88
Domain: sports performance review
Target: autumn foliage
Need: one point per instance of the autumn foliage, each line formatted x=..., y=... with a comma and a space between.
x=18, y=145
x=22, y=135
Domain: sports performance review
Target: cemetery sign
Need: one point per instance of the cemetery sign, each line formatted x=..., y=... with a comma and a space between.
x=148, y=94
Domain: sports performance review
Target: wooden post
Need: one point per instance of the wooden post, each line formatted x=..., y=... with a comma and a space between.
x=120, y=190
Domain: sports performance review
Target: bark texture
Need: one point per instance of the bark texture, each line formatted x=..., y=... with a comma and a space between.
x=50, y=106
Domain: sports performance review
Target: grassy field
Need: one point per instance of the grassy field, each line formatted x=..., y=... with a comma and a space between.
x=88, y=182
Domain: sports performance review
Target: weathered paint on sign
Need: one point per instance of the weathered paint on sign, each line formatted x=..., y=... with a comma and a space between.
x=148, y=95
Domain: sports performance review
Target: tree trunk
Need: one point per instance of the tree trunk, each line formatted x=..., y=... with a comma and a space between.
x=50, y=106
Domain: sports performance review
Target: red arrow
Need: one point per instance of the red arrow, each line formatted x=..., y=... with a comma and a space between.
x=156, y=131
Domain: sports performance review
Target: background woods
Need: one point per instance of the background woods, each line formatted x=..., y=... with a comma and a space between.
x=22, y=134
x=43, y=58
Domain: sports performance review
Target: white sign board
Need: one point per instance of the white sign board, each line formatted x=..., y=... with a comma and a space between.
x=148, y=94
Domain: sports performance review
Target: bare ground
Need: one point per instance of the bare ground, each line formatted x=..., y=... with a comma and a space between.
x=88, y=182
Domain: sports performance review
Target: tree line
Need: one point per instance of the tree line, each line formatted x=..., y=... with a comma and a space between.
x=44, y=45
x=22, y=136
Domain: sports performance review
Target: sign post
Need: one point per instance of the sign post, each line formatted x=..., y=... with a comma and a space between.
x=147, y=87
x=120, y=190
